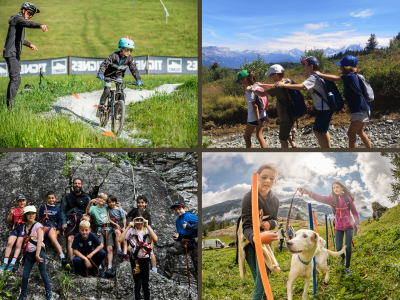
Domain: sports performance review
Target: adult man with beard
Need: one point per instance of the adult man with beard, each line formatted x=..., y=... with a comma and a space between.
x=73, y=211
x=13, y=46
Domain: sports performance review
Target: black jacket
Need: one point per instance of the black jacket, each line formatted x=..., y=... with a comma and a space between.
x=74, y=204
x=109, y=71
x=16, y=35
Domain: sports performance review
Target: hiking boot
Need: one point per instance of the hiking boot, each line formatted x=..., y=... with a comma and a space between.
x=110, y=273
x=64, y=262
x=101, y=273
x=347, y=272
x=342, y=260
x=4, y=266
x=10, y=267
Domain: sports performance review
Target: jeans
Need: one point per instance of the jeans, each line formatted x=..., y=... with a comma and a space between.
x=255, y=271
x=339, y=243
x=280, y=245
x=14, y=69
x=80, y=266
x=142, y=278
x=29, y=262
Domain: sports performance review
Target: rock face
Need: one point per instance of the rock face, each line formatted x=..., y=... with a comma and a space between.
x=163, y=177
x=378, y=210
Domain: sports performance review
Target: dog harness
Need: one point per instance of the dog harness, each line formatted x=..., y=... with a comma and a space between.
x=303, y=262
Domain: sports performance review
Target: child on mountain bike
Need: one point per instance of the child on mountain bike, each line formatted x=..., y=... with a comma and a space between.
x=121, y=58
x=17, y=234
x=50, y=217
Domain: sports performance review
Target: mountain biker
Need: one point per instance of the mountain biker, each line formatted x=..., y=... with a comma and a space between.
x=121, y=58
x=13, y=46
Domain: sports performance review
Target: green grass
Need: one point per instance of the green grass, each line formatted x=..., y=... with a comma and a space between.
x=25, y=127
x=375, y=266
x=93, y=29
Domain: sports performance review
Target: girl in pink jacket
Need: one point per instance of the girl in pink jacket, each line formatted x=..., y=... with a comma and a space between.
x=341, y=201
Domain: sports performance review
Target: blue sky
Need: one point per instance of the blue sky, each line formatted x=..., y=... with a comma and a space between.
x=285, y=25
x=227, y=176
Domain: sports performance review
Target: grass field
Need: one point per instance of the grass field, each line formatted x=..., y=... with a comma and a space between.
x=375, y=266
x=25, y=127
x=93, y=28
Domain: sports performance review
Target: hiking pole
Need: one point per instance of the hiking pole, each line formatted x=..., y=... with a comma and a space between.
x=257, y=237
x=328, y=236
x=333, y=236
x=314, y=270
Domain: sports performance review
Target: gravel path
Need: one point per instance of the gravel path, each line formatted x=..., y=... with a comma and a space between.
x=382, y=135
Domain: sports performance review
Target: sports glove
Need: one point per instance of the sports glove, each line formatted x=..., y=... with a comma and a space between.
x=139, y=82
x=100, y=76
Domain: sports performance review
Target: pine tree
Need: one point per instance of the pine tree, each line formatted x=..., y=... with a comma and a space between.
x=213, y=225
x=298, y=217
x=371, y=44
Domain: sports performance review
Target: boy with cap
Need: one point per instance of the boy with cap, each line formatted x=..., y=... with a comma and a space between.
x=17, y=233
x=324, y=113
x=186, y=225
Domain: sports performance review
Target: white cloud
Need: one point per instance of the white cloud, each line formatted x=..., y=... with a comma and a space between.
x=364, y=14
x=251, y=37
x=347, y=24
x=316, y=26
x=235, y=192
x=203, y=183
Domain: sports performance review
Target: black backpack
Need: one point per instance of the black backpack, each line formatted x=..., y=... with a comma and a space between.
x=333, y=96
x=297, y=107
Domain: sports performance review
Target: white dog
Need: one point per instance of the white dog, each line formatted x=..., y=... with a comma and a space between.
x=303, y=247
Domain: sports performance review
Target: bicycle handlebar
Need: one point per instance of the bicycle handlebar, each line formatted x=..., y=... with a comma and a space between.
x=119, y=81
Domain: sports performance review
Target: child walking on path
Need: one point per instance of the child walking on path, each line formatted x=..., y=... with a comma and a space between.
x=342, y=202
x=255, y=118
x=140, y=236
x=360, y=110
x=17, y=234
x=34, y=252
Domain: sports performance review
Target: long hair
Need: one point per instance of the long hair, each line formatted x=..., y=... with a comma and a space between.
x=252, y=77
x=345, y=190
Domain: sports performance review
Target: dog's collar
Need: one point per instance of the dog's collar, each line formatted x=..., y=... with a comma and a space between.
x=305, y=263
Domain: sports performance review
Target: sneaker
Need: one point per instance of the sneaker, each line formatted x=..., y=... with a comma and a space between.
x=101, y=273
x=10, y=267
x=64, y=263
x=124, y=256
x=342, y=260
x=110, y=273
x=121, y=255
x=4, y=266
x=347, y=272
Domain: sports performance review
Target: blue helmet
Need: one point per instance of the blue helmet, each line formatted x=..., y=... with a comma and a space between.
x=126, y=43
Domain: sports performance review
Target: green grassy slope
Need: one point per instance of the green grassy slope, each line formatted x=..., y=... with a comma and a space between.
x=375, y=266
x=92, y=28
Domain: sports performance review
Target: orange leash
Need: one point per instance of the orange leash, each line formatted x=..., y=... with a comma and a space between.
x=87, y=272
x=257, y=238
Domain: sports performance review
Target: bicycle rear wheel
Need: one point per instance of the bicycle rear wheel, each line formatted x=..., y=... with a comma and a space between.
x=119, y=117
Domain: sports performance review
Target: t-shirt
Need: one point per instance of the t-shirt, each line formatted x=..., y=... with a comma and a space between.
x=32, y=247
x=54, y=214
x=117, y=213
x=251, y=97
x=99, y=216
x=312, y=83
x=85, y=246
x=130, y=235
x=130, y=214
x=17, y=215
x=281, y=95
x=355, y=101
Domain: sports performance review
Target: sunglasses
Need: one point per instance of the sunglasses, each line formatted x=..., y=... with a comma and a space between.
x=138, y=220
x=128, y=50
x=30, y=13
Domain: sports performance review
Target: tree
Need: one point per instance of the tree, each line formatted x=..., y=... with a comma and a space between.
x=395, y=161
x=205, y=232
x=215, y=66
x=372, y=43
x=298, y=217
x=394, y=43
x=258, y=66
x=212, y=225
x=318, y=54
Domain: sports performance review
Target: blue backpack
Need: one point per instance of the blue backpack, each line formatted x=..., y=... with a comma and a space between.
x=334, y=99
x=297, y=108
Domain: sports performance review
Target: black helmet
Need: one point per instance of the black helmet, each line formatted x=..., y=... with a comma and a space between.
x=30, y=6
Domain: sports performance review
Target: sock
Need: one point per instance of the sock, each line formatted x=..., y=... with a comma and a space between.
x=62, y=255
x=154, y=270
x=109, y=267
x=6, y=260
x=119, y=250
x=100, y=267
x=13, y=261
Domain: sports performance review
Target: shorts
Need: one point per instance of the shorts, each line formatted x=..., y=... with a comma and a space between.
x=255, y=123
x=110, y=240
x=18, y=231
x=47, y=228
x=360, y=116
x=284, y=129
x=323, y=120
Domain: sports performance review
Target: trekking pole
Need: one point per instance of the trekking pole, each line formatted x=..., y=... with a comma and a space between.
x=314, y=270
x=328, y=236
x=333, y=236
x=257, y=238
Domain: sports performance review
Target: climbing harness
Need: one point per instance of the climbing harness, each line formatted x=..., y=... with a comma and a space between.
x=28, y=238
x=135, y=250
x=52, y=224
x=76, y=221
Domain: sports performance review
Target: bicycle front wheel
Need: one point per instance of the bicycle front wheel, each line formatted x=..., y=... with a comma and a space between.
x=119, y=117
x=105, y=114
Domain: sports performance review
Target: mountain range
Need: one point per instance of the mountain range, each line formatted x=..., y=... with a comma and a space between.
x=231, y=209
x=233, y=59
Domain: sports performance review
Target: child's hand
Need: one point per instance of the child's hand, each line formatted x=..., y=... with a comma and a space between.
x=39, y=259
x=317, y=72
x=87, y=263
x=93, y=201
x=131, y=224
x=175, y=236
x=90, y=255
x=184, y=224
x=12, y=210
x=86, y=217
x=118, y=204
x=64, y=226
x=145, y=223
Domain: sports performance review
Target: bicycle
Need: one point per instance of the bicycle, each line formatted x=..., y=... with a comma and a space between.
x=114, y=107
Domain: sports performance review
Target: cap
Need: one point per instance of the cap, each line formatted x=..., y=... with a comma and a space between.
x=274, y=69
x=348, y=61
x=177, y=203
x=311, y=60
x=20, y=196
x=29, y=208
x=242, y=74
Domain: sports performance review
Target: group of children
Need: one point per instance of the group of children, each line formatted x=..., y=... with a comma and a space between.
x=354, y=94
x=102, y=228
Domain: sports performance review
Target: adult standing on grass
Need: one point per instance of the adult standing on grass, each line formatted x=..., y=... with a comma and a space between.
x=342, y=202
x=324, y=113
x=268, y=205
x=13, y=47
x=255, y=118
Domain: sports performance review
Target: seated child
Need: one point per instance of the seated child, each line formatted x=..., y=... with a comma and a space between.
x=102, y=228
x=140, y=236
x=50, y=217
x=88, y=251
x=186, y=224
x=34, y=252
x=15, y=216
x=121, y=57
x=117, y=217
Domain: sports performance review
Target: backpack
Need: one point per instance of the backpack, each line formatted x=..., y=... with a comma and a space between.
x=261, y=102
x=297, y=107
x=346, y=198
x=367, y=92
x=335, y=100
